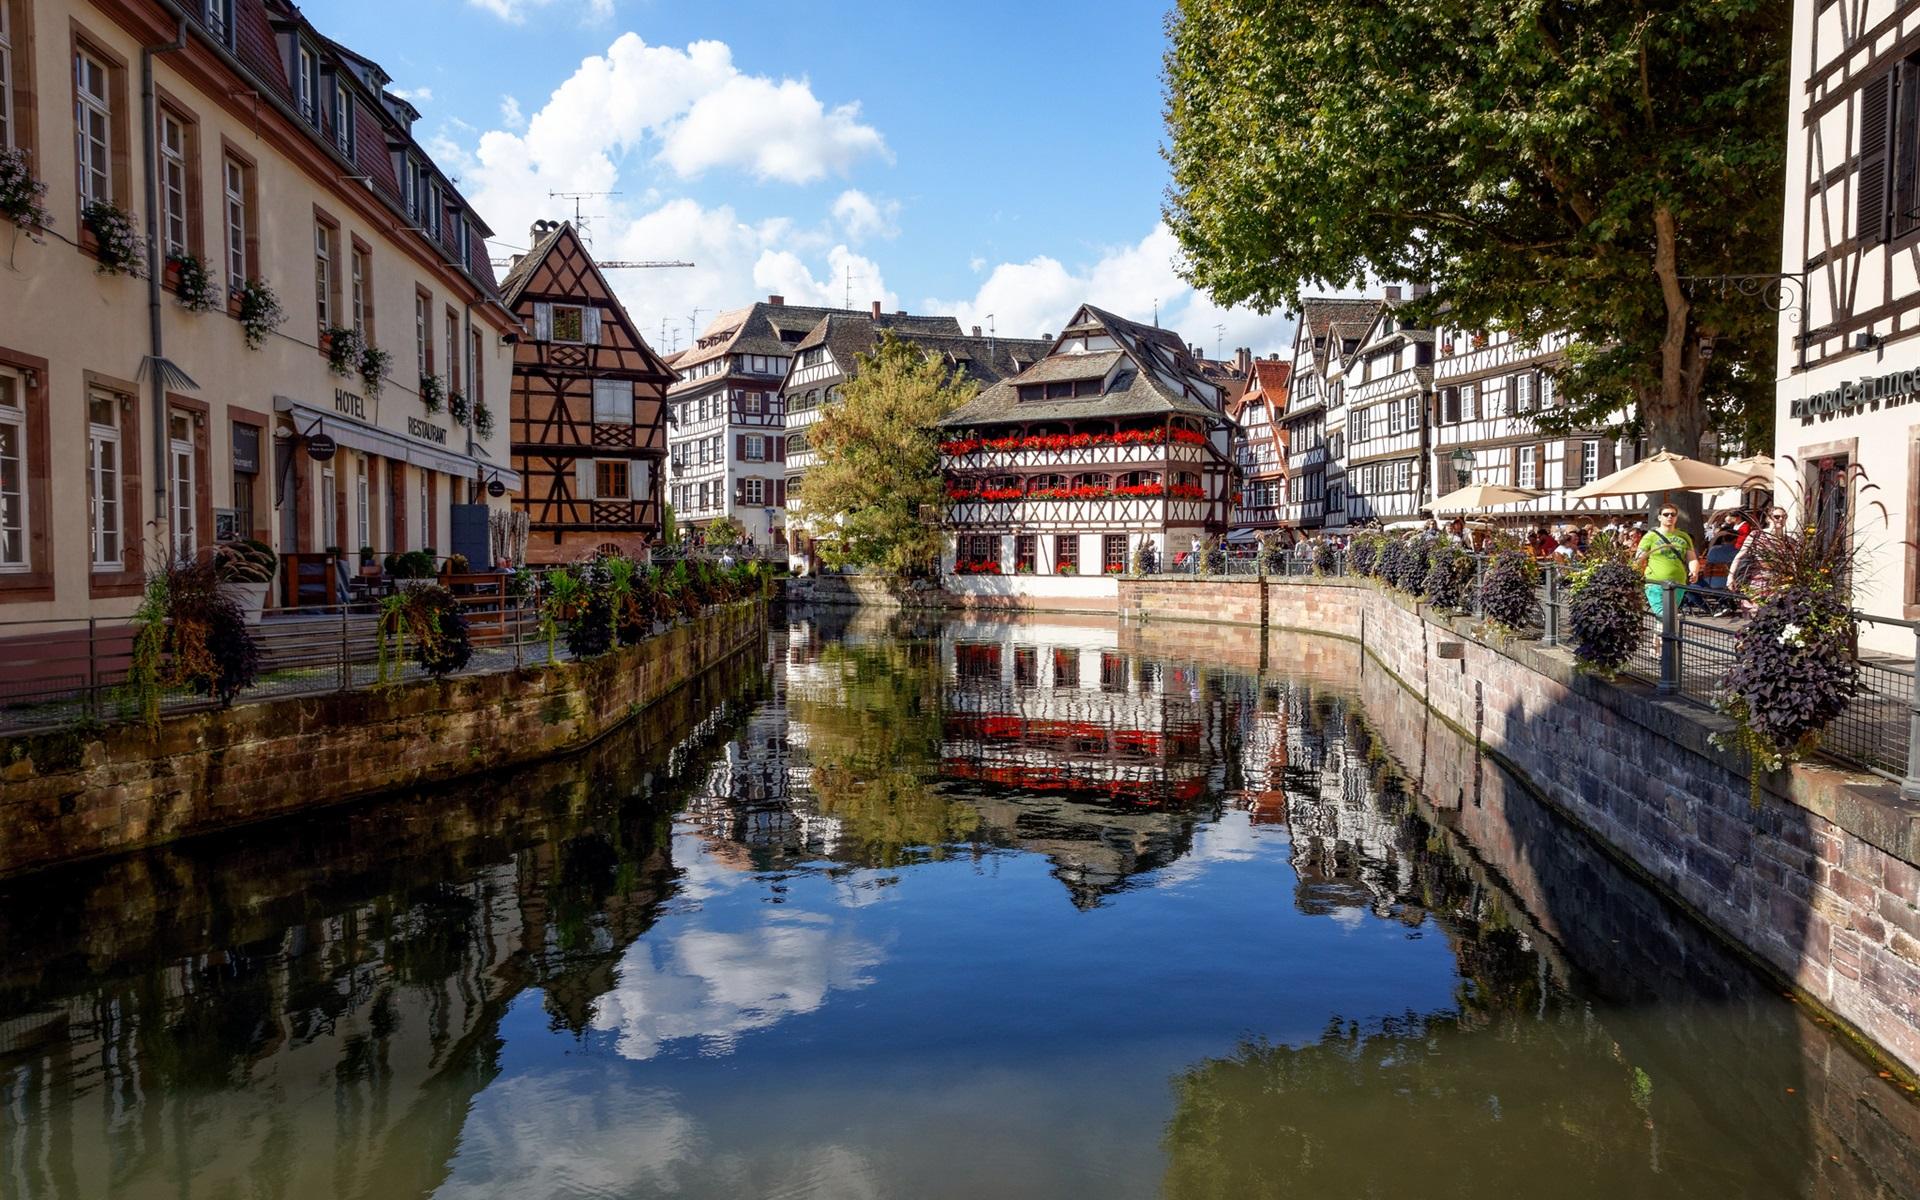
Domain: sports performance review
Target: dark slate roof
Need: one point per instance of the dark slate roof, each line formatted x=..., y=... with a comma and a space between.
x=757, y=329
x=1135, y=391
x=1059, y=368
x=1323, y=316
x=986, y=360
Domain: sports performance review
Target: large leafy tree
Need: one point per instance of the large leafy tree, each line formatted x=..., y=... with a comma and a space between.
x=879, y=462
x=1549, y=165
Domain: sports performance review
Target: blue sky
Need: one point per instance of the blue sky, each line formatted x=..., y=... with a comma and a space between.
x=996, y=160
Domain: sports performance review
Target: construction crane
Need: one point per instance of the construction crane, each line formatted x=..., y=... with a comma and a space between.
x=618, y=264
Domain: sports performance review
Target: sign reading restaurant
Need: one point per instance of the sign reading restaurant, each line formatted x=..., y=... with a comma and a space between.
x=1869, y=392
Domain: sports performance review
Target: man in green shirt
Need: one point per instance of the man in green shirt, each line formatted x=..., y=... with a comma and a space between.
x=1666, y=556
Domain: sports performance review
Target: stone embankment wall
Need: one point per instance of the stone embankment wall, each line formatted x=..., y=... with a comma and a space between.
x=1813, y=874
x=71, y=796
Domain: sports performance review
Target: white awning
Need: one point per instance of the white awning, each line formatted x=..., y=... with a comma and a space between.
x=357, y=435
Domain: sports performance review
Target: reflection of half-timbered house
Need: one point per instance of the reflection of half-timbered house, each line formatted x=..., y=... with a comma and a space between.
x=1113, y=440
x=1260, y=449
x=589, y=417
x=1847, y=384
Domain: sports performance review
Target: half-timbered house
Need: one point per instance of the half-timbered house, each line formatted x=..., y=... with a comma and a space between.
x=1849, y=360
x=829, y=356
x=1489, y=389
x=589, y=406
x=1328, y=331
x=1387, y=384
x=1113, y=440
x=1260, y=444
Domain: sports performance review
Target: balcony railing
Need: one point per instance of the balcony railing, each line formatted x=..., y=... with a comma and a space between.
x=1074, y=459
x=1113, y=511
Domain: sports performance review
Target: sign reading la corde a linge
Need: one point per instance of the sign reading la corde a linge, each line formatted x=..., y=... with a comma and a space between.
x=1868, y=393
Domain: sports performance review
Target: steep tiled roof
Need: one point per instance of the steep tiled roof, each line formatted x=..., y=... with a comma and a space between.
x=522, y=269
x=986, y=360
x=1135, y=395
x=758, y=328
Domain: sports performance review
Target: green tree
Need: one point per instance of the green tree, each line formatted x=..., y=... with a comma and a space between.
x=726, y=531
x=669, y=525
x=1550, y=167
x=879, y=461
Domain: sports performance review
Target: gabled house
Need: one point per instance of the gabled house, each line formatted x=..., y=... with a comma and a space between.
x=1260, y=444
x=1114, y=440
x=1387, y=386
x=1326, y=335
x=589, y=406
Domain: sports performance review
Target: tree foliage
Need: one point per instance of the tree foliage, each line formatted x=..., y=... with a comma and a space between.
x=1549, y=167
x=879, y=462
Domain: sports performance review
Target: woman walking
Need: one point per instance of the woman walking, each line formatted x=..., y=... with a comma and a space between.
x=1749, y=571
x=1666, y=556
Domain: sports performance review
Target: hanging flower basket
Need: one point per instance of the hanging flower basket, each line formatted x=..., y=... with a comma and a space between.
x=120, y=248
x=432, y=393
x=343, y=347
x=482, y=421
x=194, y=285
x=457, y=406
x=260, y=311
x=373, y=368
x=20, y=195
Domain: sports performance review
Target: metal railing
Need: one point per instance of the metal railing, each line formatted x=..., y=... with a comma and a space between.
x=68, y=673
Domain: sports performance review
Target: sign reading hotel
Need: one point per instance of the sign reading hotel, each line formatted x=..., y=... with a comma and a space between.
x=1869, y=393
x=349, y=404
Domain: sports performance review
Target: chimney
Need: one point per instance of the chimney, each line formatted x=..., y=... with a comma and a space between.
x=776, y=301
x=1419, y=290
x=1243, y=359
x=876, y=308
x=976, y=331
x=899, y=312
x=1393, y=292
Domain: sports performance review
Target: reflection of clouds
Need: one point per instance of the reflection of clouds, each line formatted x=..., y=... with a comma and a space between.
x=1231, y=838
x=716, y=986
x=577, y=1134
x=548, y=1136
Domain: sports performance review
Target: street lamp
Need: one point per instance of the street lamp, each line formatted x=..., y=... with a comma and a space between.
x=1462, y=460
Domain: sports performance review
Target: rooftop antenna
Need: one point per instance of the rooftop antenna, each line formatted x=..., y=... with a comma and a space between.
x=1219, y=337
x=581, y=222
x=693, y=326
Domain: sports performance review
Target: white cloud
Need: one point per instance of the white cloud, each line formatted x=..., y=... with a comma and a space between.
x=516, y=11
x=780, y=131
x=861, y=216
x=510, y=114
x=1029, y=298
x=415, y=96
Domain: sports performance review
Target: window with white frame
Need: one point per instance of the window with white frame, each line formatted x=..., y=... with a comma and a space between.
x=103, y=479
x=1589, y=460
x=323, y=273
x=434, y=205
x=410, y=177
x=307, y=79
x=342, y=119
x=1529, y=465
x=234, y=191
x=756, y=448
x=93, y=128
x=362, y=508
x=13, y=472
x=358, y=295
x=754, y=491
x=6, y=77
x=751, y=403
x=183, y=523
x=422, y=319
x=173, y=181
x=612, y=402
x=218, y=15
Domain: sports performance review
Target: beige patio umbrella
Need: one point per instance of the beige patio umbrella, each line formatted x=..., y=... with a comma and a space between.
x=1477, y=496
x=1663, y=472
x=1756, y=467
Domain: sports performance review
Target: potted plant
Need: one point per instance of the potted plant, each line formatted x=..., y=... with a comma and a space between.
x=343, y=347
x=431, y=617
x=1607, y=608
x=374, y=363
x=259, y=311
x=20, y=196
x=366, y=559
x=482, y=420
x=413, y=569
x=245, y=570
x=457, y=406
x=457, y=564
x=432, y=393
x=118, y=245
x=193, y=283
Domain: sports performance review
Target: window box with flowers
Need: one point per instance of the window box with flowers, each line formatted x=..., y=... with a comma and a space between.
x=482, y=421
x=343, y=346
x=193, y=283
x=259, y=311
x=20, y=195
x=373, y=368
x=433, y=393
x=457, y=407
x=981, y=567
x=117, y=244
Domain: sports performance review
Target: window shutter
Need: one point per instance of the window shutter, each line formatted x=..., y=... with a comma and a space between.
x=780, y=493
x=1606, y=456
x=542, y=321
x=739, y=491
x=591, y=326
x=779, y=449
x=1876, y=138
x=740, y=446
x=636, y=479
x=583, y=478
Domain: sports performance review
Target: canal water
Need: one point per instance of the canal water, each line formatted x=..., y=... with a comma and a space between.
x=950, y=910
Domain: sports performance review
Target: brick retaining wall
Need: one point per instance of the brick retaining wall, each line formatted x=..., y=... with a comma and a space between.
x=1817, y=880
x=71, y=796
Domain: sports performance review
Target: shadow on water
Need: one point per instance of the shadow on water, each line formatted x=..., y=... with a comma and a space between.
x=927, y=908
x=238, y=1008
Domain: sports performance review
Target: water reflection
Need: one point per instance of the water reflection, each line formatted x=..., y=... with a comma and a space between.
x=926, y=910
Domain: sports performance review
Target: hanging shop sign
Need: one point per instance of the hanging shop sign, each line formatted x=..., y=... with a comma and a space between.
x=320, y=447
x=496, y=489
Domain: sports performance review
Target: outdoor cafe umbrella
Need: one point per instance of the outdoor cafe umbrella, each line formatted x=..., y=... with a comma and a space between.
x=1663, y=472
x=1477, y=496
x=1758, y=468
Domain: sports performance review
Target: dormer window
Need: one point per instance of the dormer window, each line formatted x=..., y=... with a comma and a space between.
x=342, y=118
x=217, y=15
